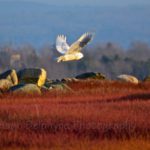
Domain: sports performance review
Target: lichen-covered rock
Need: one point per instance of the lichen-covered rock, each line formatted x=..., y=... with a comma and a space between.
x=10, y=75
x=60, y=86
x=27, y=89
x=91, y=75
x=128, y=78
x=32, y=75
x=5, y=85
x=56, y=85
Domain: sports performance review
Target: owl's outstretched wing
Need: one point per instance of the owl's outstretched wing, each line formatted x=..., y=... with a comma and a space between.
x=61, y=44
x=81, y=42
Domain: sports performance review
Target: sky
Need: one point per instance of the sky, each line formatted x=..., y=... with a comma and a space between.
x=39, y=24
x=91, y=2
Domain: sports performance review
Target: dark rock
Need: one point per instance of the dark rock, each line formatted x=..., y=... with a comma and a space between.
x=91, y=75
x=32, y=75
x=147, y=79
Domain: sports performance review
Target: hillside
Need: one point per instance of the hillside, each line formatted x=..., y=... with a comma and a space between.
x=38, y=24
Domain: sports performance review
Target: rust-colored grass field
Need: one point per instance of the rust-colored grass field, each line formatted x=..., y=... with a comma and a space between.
x=96, y=115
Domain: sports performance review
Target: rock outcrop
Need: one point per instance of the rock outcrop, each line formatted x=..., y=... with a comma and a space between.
x=5, y=85
x=32, y=75
x=147, y=79
x=10, y=75
x=91, y=75
x=28, y=89
x=56, y=85
x=128, y=78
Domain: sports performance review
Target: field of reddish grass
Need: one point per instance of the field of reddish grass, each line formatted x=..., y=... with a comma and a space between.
x=95, y=115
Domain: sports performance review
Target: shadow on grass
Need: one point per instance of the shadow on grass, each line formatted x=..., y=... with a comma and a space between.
x=128, y=98
x=133, y=97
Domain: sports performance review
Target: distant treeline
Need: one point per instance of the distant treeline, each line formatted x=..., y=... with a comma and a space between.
x=109, y=59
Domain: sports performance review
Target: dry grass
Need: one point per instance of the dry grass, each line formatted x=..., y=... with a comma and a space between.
x=98, y=115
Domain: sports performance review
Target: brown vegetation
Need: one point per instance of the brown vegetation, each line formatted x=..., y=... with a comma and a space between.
x=95, y=115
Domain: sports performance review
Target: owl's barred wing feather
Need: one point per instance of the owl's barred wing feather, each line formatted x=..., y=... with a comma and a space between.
x=85, y=39
x=81, y=42
x=61, y=44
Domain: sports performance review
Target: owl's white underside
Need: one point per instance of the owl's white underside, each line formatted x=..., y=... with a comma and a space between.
x=70, y=57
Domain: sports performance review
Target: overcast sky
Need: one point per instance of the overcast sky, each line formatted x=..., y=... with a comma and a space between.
x=90, y=2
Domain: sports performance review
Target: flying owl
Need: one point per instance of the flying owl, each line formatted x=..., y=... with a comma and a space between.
x=72, y=52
